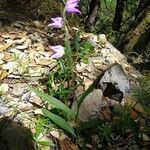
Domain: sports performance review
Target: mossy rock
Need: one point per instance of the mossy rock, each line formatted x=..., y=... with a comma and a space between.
x=12, y=10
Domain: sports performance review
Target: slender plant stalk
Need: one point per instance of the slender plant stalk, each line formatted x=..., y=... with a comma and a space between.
x=67, y=45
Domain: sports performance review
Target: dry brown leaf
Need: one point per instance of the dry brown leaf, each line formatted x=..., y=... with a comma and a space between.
x=22, y=47
x=45, y=54
x=1, y=40
x=20, y=41
x=3, y=74
x=1, y=56
x=40, y=47
x=105, y=113
x=136, y=107
x=9, y=41
x=9, y=36
x=67, y=144
x=133, y=103
x=35, y=72
x=7, y=56
x=87, y=82
x=80, y=67
x=5, y=46
x=45, y=62
x=1, y=62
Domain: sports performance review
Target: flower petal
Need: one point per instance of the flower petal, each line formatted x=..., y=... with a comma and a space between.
x=73, y=10
x=56, y=56
x=59, y=19
x=59, y=51
x=71, y=6
x=57, y=22
x=55, y=25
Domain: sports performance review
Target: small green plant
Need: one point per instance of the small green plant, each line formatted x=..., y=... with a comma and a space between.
x=124, y=123
x=54, y=102
x=62, y=92
x=141, y=92
x=105, y=132
x=59, y=121
x=57, y=83
x=20, y=63
x=40, y=132
x=83, y=49
x=60, y=113
x=111, y=133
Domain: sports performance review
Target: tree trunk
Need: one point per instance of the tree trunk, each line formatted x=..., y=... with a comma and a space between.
x=133, y=36
x=118, y=15
x=143, y=8
x=93, y=12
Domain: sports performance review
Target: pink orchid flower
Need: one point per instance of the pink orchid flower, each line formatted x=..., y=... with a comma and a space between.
x=57, y=22
x=59, y=51
x=71, y=6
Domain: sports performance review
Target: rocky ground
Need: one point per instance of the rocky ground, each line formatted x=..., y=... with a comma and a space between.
x=25, y=61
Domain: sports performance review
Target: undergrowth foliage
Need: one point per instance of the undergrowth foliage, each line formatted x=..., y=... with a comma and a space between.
x=126, y=126
x=121, y=129
x=141, y=93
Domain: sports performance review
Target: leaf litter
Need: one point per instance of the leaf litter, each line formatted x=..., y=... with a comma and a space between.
x=25, y=60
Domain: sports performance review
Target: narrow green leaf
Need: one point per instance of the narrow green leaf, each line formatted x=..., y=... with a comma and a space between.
x=59, y=121
x=55, y=102
x=47, y=143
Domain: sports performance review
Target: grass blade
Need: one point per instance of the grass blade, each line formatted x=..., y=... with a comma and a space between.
x=47, y=143
x=59, y=121
x=55, y=102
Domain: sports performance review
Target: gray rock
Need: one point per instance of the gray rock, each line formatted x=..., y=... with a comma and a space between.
x=90, y=106
x=116, y=76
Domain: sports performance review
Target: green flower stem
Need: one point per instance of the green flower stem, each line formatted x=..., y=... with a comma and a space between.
x=67, y=44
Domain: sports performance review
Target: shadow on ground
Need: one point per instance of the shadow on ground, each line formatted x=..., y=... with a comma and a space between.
x=14, y=136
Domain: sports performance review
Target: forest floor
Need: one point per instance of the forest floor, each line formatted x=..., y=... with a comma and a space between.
x=113, y=95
